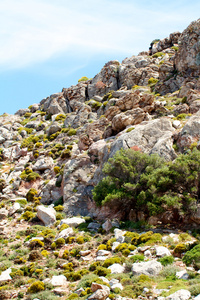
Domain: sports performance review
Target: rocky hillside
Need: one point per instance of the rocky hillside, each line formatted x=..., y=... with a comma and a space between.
x=52, y=156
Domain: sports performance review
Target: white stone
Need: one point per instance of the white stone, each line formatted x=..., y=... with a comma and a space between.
x=176, y=124
x=150, y=268
x=147, y=253
x=46, y=214
x=116, y=285
x=84, y=252
x=59, y=280
x=65, y=233
x=182, y=275
x=5, y=275
x=73, y=222
x=14, y=209
x=197, y=297
x=115, y=245
x=119, y=233
x=116, y=269
x=180, y=295
x=103, y=252
x=162, y=251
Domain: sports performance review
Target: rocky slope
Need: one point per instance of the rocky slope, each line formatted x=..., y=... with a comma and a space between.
x=53, y=152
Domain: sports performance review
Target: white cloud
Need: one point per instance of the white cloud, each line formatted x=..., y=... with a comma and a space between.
x=32, y=31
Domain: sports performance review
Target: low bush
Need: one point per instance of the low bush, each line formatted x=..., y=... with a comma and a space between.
x=166, y=260
x=36, y=287
x=193, y=257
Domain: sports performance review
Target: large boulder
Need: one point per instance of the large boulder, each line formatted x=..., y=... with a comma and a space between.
x=150, y=268
x=116, y=269
x=190, y=132
x=46, y=214
x=150, y=137
x=73, y=222
x=180, y=295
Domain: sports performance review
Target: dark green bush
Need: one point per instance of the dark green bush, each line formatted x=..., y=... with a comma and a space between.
x=138, y=181
x=193, y=257
x=166, y=260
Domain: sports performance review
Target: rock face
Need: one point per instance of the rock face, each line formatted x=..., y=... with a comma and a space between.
x=180, y=295
x=188, y=56
x=150, y=268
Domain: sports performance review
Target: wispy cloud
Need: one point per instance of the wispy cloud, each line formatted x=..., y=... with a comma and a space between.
x=32, y=31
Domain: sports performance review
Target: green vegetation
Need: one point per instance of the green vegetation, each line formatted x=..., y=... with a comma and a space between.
x=142, y=182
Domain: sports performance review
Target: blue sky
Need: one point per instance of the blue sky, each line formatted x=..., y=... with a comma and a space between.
x=49, y=44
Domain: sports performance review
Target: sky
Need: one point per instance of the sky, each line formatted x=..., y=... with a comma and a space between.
x=46, y=45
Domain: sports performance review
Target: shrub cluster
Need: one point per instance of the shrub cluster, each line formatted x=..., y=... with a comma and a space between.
x=146, y=182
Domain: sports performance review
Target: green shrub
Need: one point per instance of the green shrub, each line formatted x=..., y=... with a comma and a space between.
x=195, y=290
x=30, y=196
x=56, y=169
x=28, y=215
x=138, y=181
x=60, y=242
x=110, y=261
x=60, y=117
x=36, y=287
x=193, y=257
x=59, y=208
x=84, y=78
x=166, y=260
x=158, y=54
x=34, y=255
x=80, y=240
x=66, y=154
x=65, y=254
x=152, y=81
x=102, y=247
x=180, y=248
x=137, y=258
x=36, y=243
x=101, y=271
x=71, y=132
x=94, y=265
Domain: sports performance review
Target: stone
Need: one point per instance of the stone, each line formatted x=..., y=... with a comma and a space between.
x=150, y=268
x=107, y=225
x=116, y=269
x=150, y=137
x=179, y=295
x=3, y=213
x=73, y=222
x=197, y=297
x=188, y=58
x=114, y=283
x=84, y=252
x=176, y=124
x=43, y=164
x=162, y=251
x=14, y=209
x=65, y=233
x=190, y=132
x=55, y=127
x=100, y=292
x=46, y=214
x=5, y=275
x=147, y=254
x=182, y=275
x=103, y=252
x=115, y=245
x=59, y=280
x=93, y=226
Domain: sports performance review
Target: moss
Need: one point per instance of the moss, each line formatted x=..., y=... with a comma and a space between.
x=110, y=261
x=36, y=287
x=29, y=175
x=60, y=117
x=34, y=255
x=101, y=271
x=71, y=132
x=66, y=154
x=36, y=243
x=175, y=48
x=59, y=208
x=158, y=54
x=28, y=215
x=84, y=78
x=80, y=240
x=65, y=254
x=130, y=129
x=30, y=196
x=180, y=248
